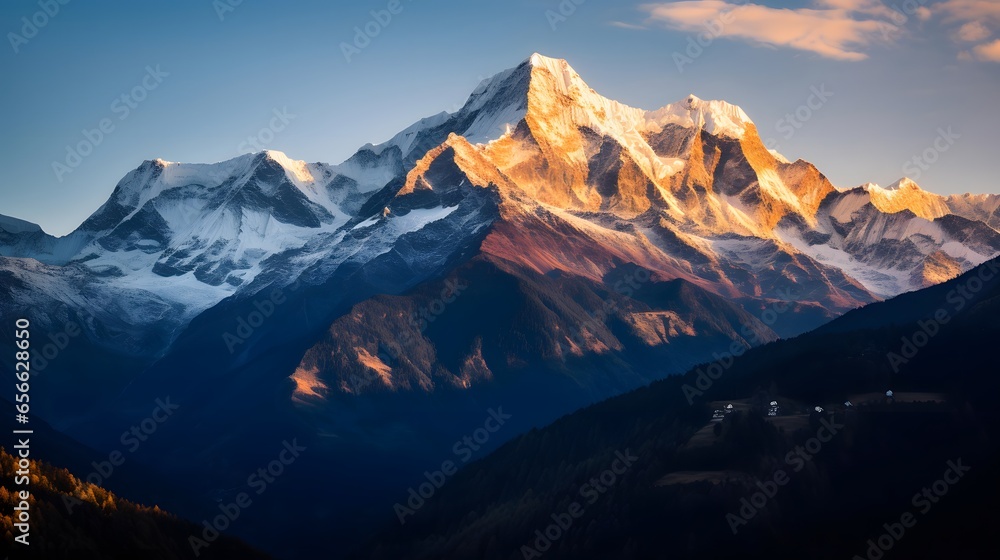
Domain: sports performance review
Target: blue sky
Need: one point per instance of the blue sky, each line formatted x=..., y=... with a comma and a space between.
x=222, y=69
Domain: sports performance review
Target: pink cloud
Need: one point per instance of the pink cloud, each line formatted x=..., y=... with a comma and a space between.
x=961, y=11
x=837, y=29
x=972, y=32
x=989, y=52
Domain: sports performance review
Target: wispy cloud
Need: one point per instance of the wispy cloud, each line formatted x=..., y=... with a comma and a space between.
x=624, y=25
x=989, y=52
x=987, y=11
x=836, y=29
x=978, y=20
x=972, y=32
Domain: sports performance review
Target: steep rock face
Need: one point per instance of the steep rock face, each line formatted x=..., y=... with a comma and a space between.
x=907, y=195
x=584, y=183
x=888, y=251
x=977, y=207
x=938, y=267
x=491, y=319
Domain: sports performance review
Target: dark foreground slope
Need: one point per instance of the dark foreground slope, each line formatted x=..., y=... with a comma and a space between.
x=70, y=518
x=753, y=486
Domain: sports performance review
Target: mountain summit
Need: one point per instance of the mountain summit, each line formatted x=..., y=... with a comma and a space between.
x=688, y=189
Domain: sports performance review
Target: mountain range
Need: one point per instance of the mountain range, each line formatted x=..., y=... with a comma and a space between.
x=542, y=248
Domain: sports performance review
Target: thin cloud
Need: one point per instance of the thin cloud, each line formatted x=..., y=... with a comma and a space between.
x=836, y=29
x=624, y=25
x=867, y=7
x=962, y=11
x=977, y=21
x=972, y=32
x=990, y=52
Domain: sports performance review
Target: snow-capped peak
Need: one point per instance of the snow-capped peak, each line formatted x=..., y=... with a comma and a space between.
x=904, y=184
x=16, y=225
x=554, y=93
x=298, y=171
x=567, y=77
x=716, y=117
x=551, y=78
x=905, y=194
x=538, y=59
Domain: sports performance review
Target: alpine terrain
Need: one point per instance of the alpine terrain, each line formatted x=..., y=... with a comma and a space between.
x=541, y=249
